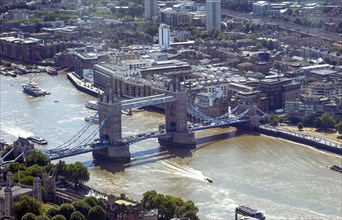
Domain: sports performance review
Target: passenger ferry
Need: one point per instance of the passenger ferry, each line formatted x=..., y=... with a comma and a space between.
x=37, y=140
x=92, y=105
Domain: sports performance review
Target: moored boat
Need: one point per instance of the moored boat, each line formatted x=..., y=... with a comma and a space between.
x=52, y=71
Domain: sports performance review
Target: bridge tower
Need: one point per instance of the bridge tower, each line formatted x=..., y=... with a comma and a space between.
x=176, y=117
x=110, y=132
x=248, y=100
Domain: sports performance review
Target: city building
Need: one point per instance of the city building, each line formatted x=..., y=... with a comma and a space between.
x=213, y=9
x=151, y=8
x=313, y=105
x=278, y=91
x=164, y=36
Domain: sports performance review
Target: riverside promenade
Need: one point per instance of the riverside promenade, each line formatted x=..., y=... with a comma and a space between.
x=85, y=87
x=303, y=138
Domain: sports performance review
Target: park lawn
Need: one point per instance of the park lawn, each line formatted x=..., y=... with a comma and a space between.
x=330, y=135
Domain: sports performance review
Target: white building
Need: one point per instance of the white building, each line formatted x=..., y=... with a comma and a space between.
x=213, y=9
x=164, y=36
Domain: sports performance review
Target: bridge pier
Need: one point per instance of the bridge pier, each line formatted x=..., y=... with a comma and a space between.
x=179, y=139
x=118, y=153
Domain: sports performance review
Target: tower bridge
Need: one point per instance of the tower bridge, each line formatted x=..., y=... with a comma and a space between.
x=106, y=141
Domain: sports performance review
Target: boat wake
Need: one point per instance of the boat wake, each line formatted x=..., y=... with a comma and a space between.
x=183, y=171
x=16, y=132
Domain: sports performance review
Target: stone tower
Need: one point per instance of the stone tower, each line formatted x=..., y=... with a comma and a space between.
x=8, y=201
x=110, y=131
x=9, y=179
x=37, y=188
x=176, y=117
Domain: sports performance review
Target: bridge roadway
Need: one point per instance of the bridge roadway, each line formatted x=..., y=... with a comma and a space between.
x=68, y=152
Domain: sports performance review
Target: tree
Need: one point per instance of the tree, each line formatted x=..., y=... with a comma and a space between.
x=59, y=217
x=77, y=216
x=77, y=173
x=38, y=158
x=29, y=216
x=338, y=127
x=82, y=207
x=169, y=206
x=66, y=210
x=91, y=200
x=26, y=204
x=318, y=122
x=59, y=169
x=42, y=217
x=97, y=212
x=300, y=126
x=52, y=212
x=272, y=120
x=6, y=150
x=328, y=121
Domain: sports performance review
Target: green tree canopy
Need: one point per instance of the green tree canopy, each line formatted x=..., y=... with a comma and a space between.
x=327, y=121
x=66, y=210
x=59, y=217
x=77, y=173
x=52, y=212
x=338, y=127
x=91, y=200
x=169, y=206
x=82, y=207
x=26, y=204
x=42, y=217
x=77, y=216
x=97, y=212
x=29, y=216
x=300, y=126
x=6, y=150
x=38, y=158
x=60, y=169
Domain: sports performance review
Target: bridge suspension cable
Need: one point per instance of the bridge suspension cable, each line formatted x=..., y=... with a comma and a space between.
x=78, y=134
x=85, y=141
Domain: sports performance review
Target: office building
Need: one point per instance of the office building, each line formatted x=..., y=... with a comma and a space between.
x=151, y=9
x=213, y=9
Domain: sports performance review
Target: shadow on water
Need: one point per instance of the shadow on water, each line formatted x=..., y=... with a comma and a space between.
x=143, y=157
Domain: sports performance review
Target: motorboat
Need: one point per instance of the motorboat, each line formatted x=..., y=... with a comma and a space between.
x=37, y=140
x=209, y=179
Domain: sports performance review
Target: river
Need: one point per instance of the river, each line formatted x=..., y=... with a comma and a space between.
x=284, y=179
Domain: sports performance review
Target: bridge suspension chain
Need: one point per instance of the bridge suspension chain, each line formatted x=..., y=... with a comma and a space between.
x=78, y=135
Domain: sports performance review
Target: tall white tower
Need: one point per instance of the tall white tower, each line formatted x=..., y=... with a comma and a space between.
x=164, y=36
x=213, y=9
x=151, y=8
